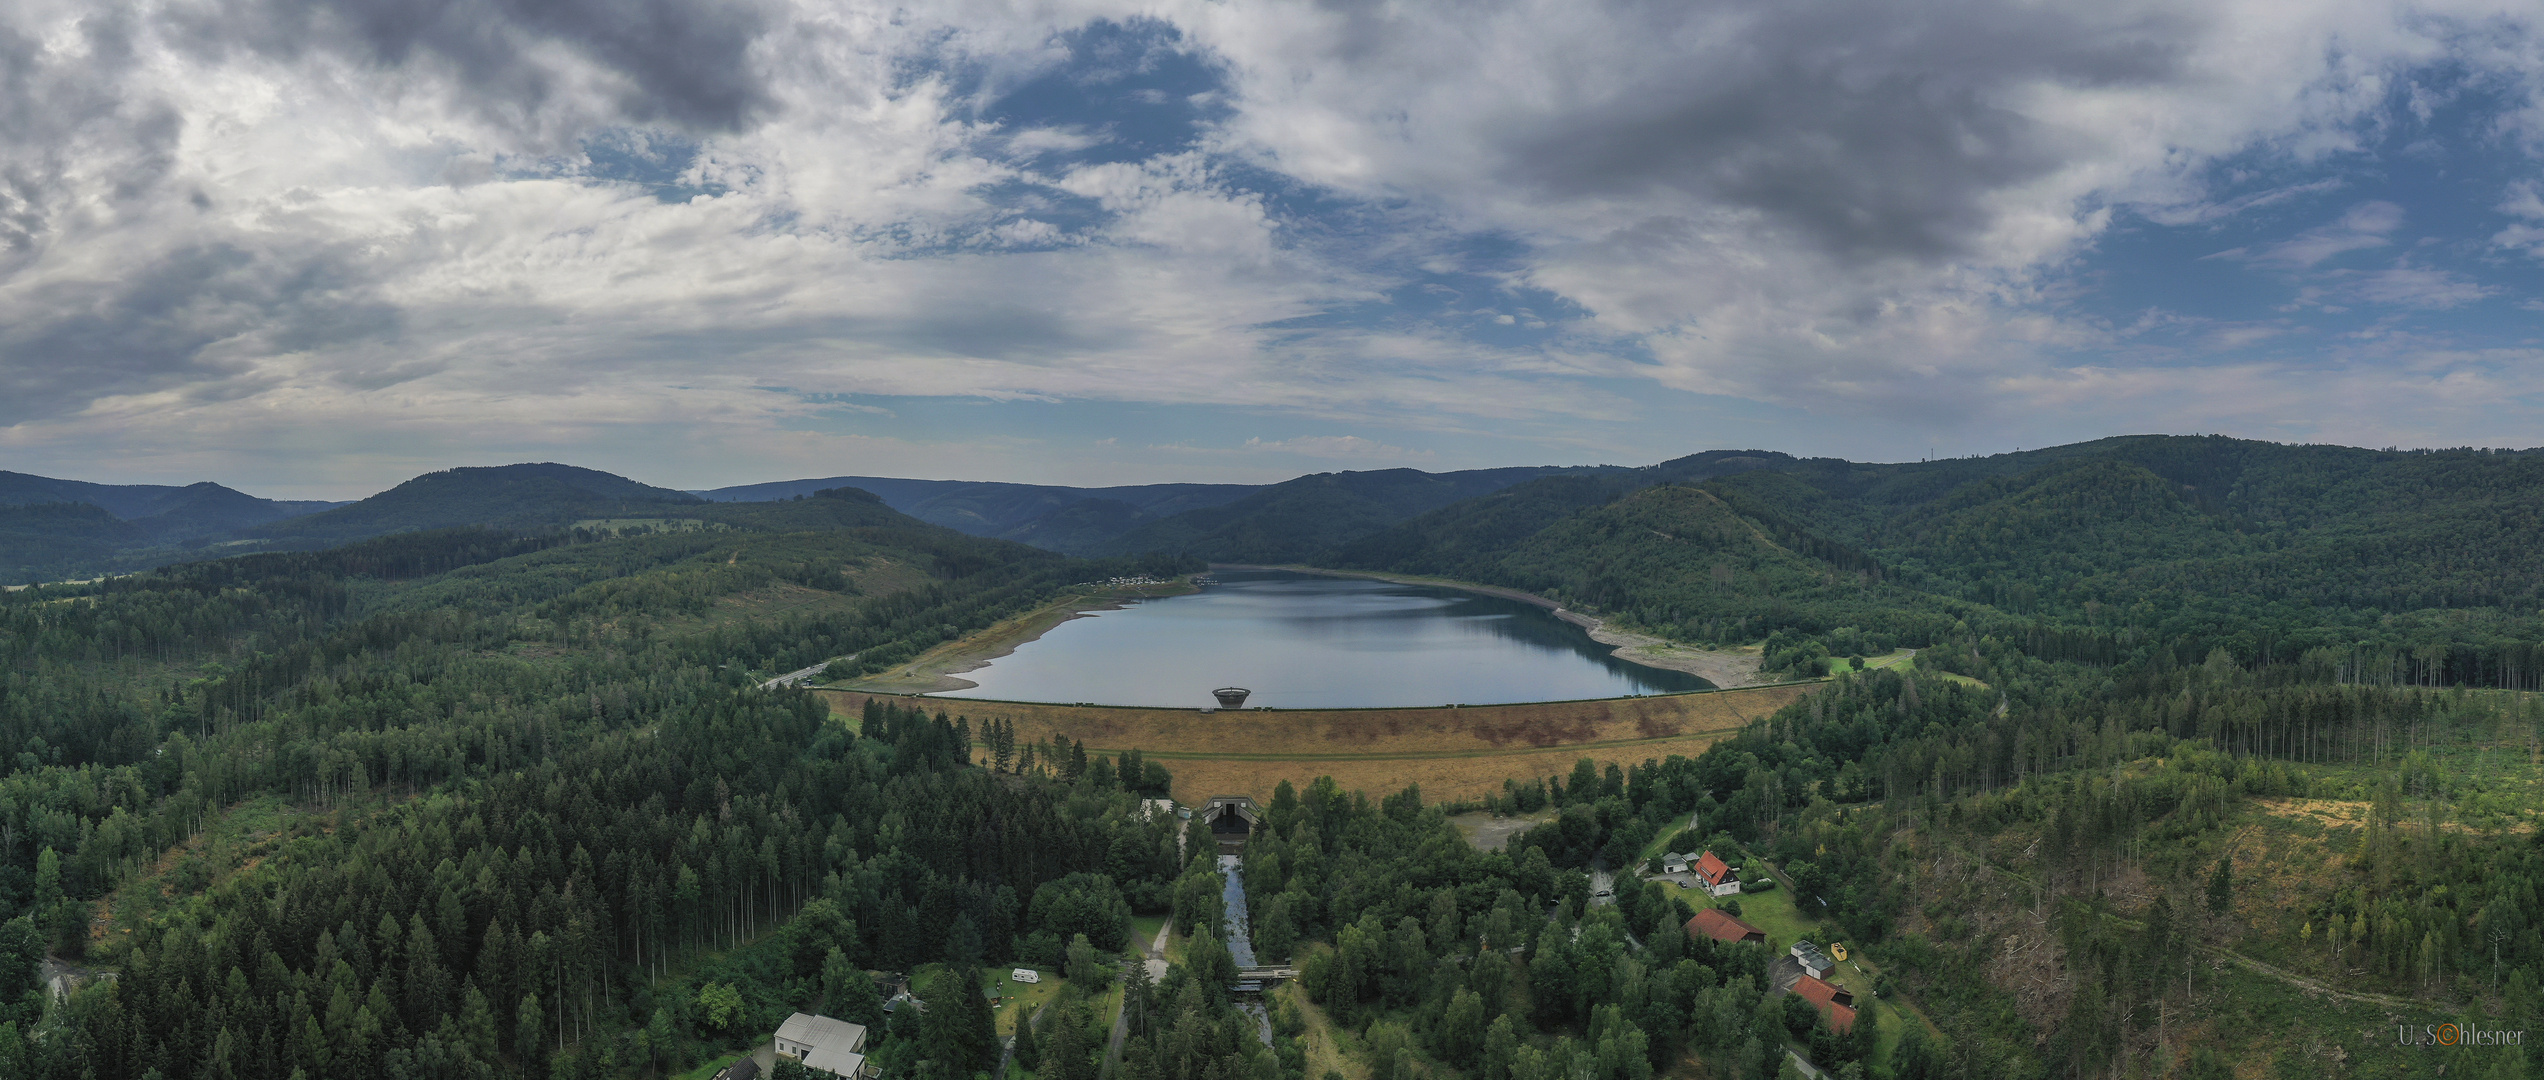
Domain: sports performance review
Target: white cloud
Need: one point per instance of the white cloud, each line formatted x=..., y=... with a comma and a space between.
x=2205, y=211
x=2418, y=287
x=2525, y=202
x=1336, y=446
x=2365, y=226
x=257, y=235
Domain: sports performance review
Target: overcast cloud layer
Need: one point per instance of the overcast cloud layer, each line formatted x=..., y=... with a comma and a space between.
x=312, y=248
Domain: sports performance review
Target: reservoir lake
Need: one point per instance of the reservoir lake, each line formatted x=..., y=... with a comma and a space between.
x=1306, y=641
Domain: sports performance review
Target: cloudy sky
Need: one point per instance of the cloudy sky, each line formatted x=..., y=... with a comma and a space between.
x=312, y=247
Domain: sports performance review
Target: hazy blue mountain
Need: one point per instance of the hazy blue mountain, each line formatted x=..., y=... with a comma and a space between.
x=206, y=501
x=506, y=496
x=53, y=529
x=1067, y=519
x=1301, y=519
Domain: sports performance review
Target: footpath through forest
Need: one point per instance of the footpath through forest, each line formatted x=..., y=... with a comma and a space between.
x=1156, y=961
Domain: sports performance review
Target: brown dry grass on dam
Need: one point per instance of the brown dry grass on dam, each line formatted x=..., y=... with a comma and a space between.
x=1454, y=753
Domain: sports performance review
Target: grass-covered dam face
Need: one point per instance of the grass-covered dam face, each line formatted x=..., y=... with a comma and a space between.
x=1462, y=753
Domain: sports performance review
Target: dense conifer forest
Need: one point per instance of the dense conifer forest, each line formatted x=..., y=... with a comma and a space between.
x=501, y=786
x=2148, y=758
x=2384, y=567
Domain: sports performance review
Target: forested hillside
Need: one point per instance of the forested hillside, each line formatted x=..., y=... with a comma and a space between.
x=1300, y=519
x=2067, y=869
x=1064, y=519
x=472, y=802
x=52, y=530
x=2211, y=759
x=60, y=530
x=509, y=496
x=2414, y=567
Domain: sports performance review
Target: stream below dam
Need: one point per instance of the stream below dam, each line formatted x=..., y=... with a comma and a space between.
x=1241, y=939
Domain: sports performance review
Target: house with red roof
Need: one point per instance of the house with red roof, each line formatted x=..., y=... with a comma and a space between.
x=1713, y=923
x=1834, y=1002
x=1717, y=875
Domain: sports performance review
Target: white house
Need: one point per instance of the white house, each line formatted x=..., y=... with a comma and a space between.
x=1716, y=874
x=820, y=1042
x=1676, y=862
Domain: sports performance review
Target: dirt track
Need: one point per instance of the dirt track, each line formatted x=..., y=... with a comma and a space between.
x=1451, y=752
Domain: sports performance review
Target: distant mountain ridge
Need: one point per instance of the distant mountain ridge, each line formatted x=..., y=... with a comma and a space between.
x=2122, y=535
x=513, y=496
x=132, y=502
x=1300, y=519
x=1072, y=520
x=52, y=529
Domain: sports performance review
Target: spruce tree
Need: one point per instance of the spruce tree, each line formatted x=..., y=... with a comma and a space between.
x=1028, y=1047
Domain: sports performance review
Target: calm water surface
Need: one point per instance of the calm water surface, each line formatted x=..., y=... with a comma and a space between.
x=1301, y=641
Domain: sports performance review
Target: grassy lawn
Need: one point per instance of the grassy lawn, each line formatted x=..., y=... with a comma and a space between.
x=1903, y=662
x=1144, y=929
x=1022, y=998
x=1660, y=843
x=1898, y=659
x=1773, y=911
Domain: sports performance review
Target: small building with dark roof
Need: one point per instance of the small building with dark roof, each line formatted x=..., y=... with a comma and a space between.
x=1814, y=962
x=1231, y=818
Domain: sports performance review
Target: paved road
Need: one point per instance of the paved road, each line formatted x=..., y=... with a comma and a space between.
x=1602, y=881
x=1156, y=961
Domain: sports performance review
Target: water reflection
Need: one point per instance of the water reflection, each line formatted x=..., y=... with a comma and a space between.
x=1306, y=641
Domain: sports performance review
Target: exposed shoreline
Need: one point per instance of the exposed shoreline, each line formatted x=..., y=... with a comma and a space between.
x=935, y=671
x=1727, y=669
x=939, y=669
